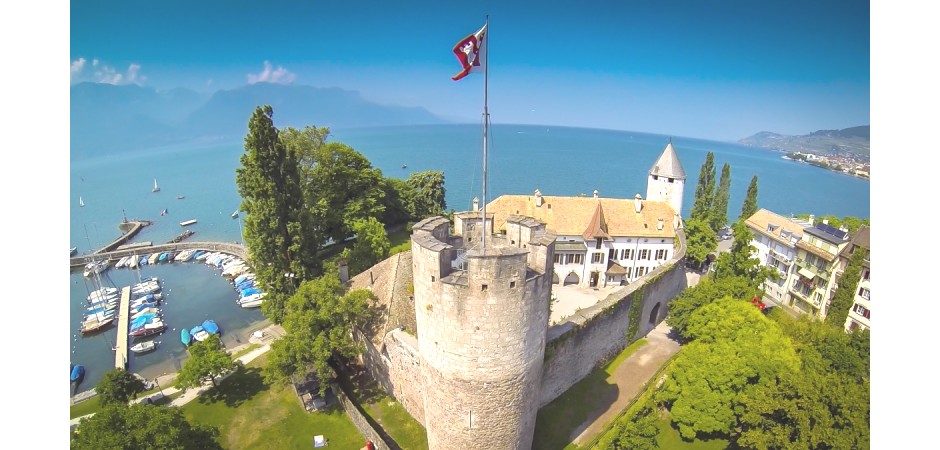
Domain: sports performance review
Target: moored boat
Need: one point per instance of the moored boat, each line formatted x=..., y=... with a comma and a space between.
x=91, y=327
x=210, y=326
x=78, y=371
x=199, y=333
x=185, y=337
x=143, y=347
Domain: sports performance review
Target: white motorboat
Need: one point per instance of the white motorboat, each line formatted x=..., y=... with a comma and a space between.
x=143, y=347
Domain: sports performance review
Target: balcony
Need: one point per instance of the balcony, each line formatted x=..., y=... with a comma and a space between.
x=780, y=257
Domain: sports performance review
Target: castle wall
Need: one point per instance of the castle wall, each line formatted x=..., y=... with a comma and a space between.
x=597, y=333
x=397, y=368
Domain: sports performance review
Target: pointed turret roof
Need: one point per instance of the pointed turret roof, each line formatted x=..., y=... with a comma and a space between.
x=668, y=164
x=598, y=226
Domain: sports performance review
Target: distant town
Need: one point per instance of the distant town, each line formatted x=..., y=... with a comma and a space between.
x=851, y=164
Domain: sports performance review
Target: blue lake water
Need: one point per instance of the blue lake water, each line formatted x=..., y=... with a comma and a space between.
x=556, y=160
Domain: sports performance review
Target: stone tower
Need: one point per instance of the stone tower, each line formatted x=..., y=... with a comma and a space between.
x=666, y=180
x=482, y=315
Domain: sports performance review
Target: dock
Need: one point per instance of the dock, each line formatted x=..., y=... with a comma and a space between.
x=187, y=222
x=120, y=345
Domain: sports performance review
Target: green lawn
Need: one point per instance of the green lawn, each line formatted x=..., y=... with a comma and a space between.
x=400, y=241
x=384, y=411
x=557, y=420
x=251, y=414
x=669, y=438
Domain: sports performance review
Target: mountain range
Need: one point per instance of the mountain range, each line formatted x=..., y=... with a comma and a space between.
x=854, y=141
x=107, y=119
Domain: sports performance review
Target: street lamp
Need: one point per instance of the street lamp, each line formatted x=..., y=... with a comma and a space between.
x=157, y=381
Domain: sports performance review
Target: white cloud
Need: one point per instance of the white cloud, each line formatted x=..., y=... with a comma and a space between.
x=279, y=75
x=102, y=73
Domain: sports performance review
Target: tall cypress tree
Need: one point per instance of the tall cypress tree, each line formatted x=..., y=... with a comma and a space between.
x=750, y=200
x=720, y=205
x=705, y=190
x=269, y=184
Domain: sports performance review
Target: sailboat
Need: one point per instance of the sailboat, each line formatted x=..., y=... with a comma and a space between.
x=235, y=214
x=80, y=202
x=155, y=187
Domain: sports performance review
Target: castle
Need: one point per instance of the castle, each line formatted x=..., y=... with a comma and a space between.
x=471, y=354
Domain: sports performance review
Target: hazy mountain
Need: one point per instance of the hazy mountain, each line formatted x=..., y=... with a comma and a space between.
x=107, y=119
x=855, y=141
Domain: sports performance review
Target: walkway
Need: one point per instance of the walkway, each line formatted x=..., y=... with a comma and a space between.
x=120, y=349
x=271, y=332
x=630, y=376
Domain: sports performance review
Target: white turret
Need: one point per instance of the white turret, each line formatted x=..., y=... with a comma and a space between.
x=666, y=180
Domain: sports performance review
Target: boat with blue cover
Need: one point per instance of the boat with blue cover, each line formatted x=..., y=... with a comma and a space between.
x=210, y=326
x=185, y=337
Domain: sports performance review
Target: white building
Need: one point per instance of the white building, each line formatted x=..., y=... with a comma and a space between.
x=860, y=313
x=606, y=241
x=775, y=238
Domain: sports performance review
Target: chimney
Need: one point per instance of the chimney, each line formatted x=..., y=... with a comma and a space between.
x=538, y=198
x=660, y=223
x=476, y=204
x=343, y=271
x=825, y=221
x=812, y=219
x=637, y=203
x=595, y=193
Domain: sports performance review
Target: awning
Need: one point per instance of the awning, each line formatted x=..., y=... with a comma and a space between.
x=806, y=274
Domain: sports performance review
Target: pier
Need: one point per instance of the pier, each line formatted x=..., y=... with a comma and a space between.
x=239, y=250
x=120, y=345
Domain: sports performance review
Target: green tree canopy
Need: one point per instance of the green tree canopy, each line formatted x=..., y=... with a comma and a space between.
x=144, y=427
x=704, y=190
x=700, y=240
x=428, y=191
x=371, y=245
x=207, y=359
x=319, y=323
x=707, y=291
x=735, y=349
x=719, y=212
x=278, y=231
x=741, y=260
x=117, y=386
x=749, y=207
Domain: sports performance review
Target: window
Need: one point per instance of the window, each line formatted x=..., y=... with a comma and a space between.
x=598, y=243
x=558, y=258
x=597, y=257
x=612, y=254
x=626, y=253
x=629, y=270
x=862, y=311
x=771, y=227
x=867, y=275
x=672, y=180
x=484, y=287
x=660, y=254
x=644, y=254
x=574, y=258
x=512, y=284
x=655, y=177
x=640, y=271
x=865, y=293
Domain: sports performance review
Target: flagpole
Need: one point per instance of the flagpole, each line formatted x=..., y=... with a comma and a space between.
x=486, y=117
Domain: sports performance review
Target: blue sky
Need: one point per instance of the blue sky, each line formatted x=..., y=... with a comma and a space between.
x=711, y=69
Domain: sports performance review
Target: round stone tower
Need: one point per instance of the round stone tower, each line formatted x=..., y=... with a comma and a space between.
x=482, y=315
x=666, y=179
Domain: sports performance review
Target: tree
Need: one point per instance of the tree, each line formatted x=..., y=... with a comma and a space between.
x=735, y=348
x=398, y=203
x=277, y=229
x=206, y=359
x=719, y=216
x=740, y=261
x=749, y=207
x=844, y=296
x=371, y=245
x=700, y=240
x=144, y=427
x=320, y=321
x=704, y=190
x=639, y=433
x=428, y=190
x=117, y=386
x=707, y=291
x=342, y=187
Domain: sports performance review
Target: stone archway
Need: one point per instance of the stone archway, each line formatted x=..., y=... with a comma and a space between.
x=572, y=278
x=654, y=313
x=555, y=279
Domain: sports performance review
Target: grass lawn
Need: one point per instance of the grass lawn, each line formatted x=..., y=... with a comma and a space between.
x=385, y=411
x=89, y=406
x=251, y=414
x=669, y=438
x=400, y=241
x=245, y=351
x=558, y=419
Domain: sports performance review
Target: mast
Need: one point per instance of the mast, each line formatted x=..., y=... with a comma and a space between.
x=486, y=117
